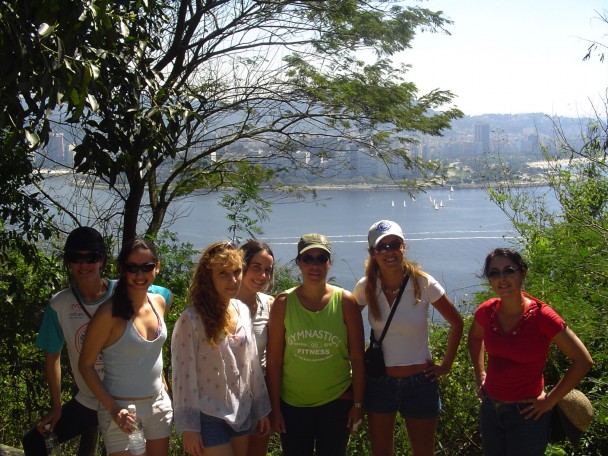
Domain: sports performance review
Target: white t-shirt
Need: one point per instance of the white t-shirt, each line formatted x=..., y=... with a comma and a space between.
x=406, y=341
x=64, y=322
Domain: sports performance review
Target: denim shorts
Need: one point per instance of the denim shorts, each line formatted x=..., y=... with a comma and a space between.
x=415, y=396
x=215, y=431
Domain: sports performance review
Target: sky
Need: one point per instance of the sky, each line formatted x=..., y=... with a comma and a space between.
x=514, y=56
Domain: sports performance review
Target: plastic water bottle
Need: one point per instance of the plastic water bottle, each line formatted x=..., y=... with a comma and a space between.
x=137, y=441
x=53, y=448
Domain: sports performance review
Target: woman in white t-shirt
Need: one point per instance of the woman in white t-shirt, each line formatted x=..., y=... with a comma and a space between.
x=257, y=278
x=409, y=385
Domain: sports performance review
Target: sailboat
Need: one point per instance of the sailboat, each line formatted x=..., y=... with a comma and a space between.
x=413, y=199
x=449, y=197
x=404, y=205
x=436, y=207
x=393, y=203
x=441, y=203
x=451, y=188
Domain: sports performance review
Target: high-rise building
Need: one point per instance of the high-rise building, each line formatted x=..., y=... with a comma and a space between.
x=482, y=137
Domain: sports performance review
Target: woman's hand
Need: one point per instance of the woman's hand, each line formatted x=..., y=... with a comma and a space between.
x=355, y=418
x=538, y=407
x=434, y=371
x=192, y=443
x=277, y=422
x=123, y=419
x=263, y=427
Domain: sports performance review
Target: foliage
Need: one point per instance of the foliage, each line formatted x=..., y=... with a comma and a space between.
x=26, y=286
x=164, y=97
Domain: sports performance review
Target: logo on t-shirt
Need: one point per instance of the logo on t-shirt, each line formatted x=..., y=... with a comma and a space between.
x=314, y=345
x=79, y=340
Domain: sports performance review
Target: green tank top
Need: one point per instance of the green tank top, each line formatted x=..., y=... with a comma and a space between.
x=316, y=366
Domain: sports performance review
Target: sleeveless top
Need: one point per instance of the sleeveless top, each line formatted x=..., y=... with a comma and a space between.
x=260, y=326
x=134, y=364
x=316, y=366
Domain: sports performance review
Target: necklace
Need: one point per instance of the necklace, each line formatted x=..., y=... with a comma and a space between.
x=391, y=290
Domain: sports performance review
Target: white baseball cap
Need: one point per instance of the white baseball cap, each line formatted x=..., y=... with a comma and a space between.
x=381, y=229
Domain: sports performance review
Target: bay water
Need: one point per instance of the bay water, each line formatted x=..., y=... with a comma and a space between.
x=449, y=233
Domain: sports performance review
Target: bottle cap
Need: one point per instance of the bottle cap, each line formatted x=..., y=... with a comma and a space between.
x=131, y=408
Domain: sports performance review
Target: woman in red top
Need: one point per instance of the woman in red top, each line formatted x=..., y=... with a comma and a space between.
x=517, y=330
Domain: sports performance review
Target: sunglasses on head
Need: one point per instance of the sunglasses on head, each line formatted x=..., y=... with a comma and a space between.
x=134, y=268
x=226, y=245
x=388, y=246
x=318, y=260
x=507, y=272
x=80, y=258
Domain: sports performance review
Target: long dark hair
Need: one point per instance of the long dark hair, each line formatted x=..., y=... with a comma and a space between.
x=121, y=304
x=250, y=249
x=505, y=252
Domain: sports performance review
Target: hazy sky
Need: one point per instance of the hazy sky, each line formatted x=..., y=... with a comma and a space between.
x=514, y=56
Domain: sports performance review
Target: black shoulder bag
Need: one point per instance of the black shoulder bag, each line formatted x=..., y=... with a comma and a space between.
x=374, y=358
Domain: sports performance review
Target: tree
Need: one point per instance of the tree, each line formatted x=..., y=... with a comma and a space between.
x=190, y=92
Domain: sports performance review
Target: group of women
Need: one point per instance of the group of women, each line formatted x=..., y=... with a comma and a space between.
x=244, y=364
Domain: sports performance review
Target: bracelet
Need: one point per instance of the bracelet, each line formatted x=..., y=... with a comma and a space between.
x=357, y=405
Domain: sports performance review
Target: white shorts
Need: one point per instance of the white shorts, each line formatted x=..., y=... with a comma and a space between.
x=156, y=414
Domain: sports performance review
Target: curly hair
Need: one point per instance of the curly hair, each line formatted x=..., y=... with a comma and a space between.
x=121, y=303
x=202, y=294
x=372, y=272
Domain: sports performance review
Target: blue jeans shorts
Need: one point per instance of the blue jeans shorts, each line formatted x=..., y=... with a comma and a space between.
x=415, y=396
x=215, y=431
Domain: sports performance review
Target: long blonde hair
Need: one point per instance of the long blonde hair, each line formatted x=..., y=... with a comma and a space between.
x=204, y=297
x=372, y=272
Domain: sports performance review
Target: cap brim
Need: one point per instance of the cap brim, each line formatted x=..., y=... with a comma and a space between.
x=315, y=246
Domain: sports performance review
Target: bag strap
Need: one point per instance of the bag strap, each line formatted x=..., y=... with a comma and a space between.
x=390, y=317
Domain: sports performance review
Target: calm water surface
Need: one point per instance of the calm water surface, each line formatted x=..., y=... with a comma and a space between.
x=450, y=243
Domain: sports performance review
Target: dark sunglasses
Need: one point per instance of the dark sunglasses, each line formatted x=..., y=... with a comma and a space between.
x=80, y=258
x=507, y=272
x=319, y=260
x=134, y=268
x=389, y=246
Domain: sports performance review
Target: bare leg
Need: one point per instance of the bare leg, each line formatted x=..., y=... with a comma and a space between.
x=422, y=435
x=381, y=428
x=258, y=445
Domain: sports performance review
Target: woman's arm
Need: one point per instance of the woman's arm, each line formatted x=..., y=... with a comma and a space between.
x=96, y=338
x=354, y=326
x=187, y=334
x=476, y=352
x=275, y=351
x=571, y=346
x=451, y=315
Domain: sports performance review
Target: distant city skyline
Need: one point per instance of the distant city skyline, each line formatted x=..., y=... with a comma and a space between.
x=514, y=57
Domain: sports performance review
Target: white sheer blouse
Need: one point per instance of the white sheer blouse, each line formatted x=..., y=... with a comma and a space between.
x=224, y=381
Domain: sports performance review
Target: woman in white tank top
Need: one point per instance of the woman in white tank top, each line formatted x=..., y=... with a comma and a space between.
x=130, y=331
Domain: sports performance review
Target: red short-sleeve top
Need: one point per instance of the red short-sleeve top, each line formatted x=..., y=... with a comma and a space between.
x=516, y=360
